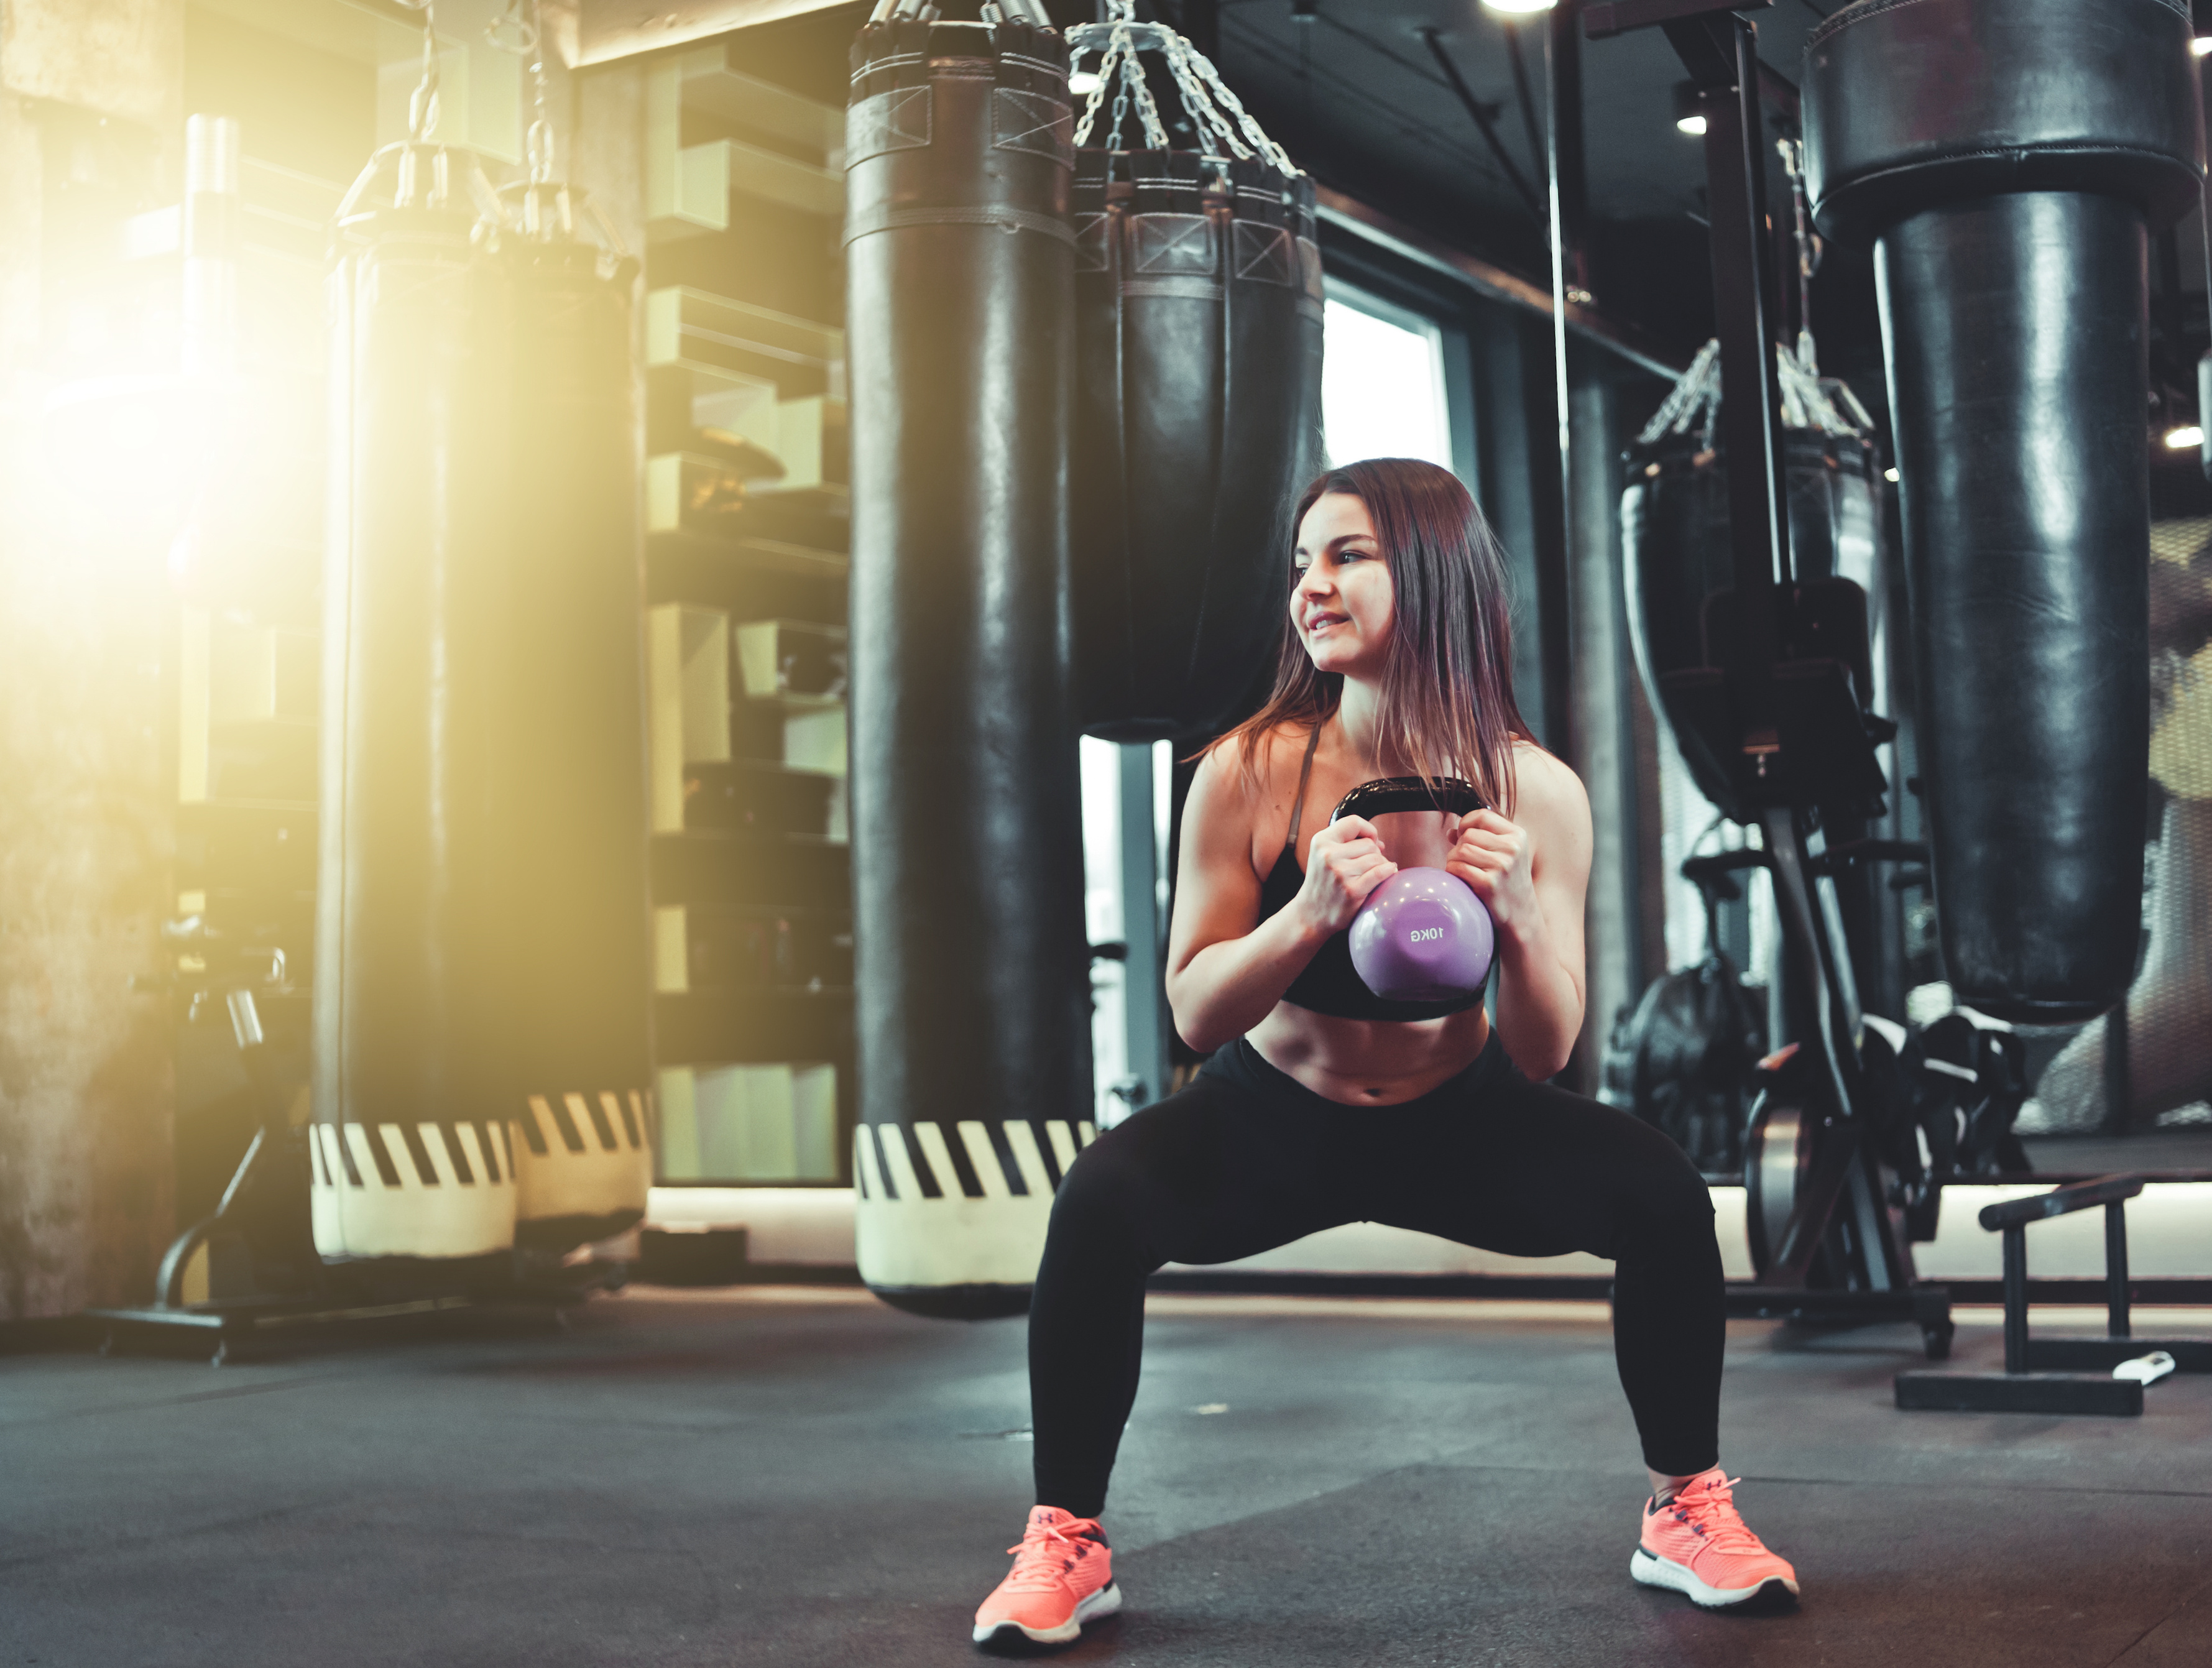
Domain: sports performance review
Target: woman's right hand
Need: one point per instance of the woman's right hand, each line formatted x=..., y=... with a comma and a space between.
x=1345, y=862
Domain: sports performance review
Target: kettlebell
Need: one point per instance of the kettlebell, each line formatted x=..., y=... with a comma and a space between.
x=1422, y=935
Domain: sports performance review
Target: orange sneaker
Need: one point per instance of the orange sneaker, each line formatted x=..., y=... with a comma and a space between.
x=1063, y=1577
x=1696, y=1544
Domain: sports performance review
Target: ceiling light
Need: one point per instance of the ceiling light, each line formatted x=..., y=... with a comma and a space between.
x=1082, y=83
x=1688, y=102
x=1889, y=475
x=1518, y=5
x=2181, y=439
x=2202, y=45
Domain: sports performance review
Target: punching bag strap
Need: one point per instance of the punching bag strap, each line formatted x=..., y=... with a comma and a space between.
x=1030, y=107
x=889, y=56
x=867, y=221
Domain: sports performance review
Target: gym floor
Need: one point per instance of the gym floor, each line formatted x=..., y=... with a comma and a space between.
x=802, y=1476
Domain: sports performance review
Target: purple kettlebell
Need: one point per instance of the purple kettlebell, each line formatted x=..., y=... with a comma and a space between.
x=1422, y=935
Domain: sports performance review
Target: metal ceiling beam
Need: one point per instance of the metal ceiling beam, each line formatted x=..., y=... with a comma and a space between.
x=611, y=29
x=1493, y=282
x=1484, y=120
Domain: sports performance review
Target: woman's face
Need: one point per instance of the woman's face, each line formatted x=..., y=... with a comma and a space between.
x=1342, y=604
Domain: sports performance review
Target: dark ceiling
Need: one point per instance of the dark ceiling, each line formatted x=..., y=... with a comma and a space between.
x=1358, y=78
x=1354, y=95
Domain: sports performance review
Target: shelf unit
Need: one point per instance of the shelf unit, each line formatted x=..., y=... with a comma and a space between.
x=747, y=582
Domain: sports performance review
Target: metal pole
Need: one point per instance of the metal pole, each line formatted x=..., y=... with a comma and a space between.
x=2015, y=1298
x=1751, y=415
x=1144, y=970
x=2116, y=1268
x=213, y=208
x=1559, y=275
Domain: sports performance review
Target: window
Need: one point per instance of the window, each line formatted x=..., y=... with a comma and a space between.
x=1383, y=390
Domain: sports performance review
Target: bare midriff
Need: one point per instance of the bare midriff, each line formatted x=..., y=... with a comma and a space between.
x=1368, y=1062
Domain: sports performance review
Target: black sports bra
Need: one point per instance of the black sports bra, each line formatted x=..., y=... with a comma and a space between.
x=1329, y=984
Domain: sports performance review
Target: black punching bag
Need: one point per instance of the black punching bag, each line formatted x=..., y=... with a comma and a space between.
x=409, y=1152
x=1675, y=555
x=2005, y=158
x=571, y=800
x=1197, y=301
x=972, y=975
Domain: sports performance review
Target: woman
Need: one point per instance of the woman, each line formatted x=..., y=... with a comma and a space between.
x=1323, y=1103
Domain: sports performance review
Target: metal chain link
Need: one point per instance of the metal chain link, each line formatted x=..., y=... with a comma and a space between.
x=422, y=103
x=1121, y=93
x=1132, y=76
x=1201, y=108
x=1258, y=135
x=1808, y=259
x=1097, y=97
x=1216, y=112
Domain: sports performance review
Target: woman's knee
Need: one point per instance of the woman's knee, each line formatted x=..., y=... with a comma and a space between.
x=1662, y=1190
x=1110, y=1191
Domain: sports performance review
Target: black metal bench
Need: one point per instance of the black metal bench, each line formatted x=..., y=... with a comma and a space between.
x=2057, y=1375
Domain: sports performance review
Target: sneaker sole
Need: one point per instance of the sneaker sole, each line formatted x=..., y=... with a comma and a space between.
x=1775, y=1592
x=1001, y=1636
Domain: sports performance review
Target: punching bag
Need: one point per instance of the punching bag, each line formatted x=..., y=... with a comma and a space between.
x=2007, y=160
x=972, y=996
x=1198, y=311
x=1675, y=548
x=571, y=800
x=409, y=1152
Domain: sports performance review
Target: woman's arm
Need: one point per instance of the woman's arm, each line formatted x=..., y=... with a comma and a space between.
x=1224, y=974
x=1533, y=873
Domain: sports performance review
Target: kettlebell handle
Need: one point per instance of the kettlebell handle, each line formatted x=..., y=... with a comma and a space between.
x=1449, y=794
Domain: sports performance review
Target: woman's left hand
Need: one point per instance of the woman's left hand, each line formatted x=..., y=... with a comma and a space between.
x=1496, y=858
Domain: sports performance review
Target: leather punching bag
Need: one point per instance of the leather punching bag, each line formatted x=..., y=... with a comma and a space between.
x=409, y=1152
x=570, y=796
x=1197, y=299
x=2005, y=158
x=1674, y=549
x=972, y=984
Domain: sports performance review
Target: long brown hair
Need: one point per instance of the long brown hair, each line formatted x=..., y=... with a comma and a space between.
x=1446, y=697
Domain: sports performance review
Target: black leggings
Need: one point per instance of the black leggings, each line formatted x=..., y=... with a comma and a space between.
x=1247, y=1159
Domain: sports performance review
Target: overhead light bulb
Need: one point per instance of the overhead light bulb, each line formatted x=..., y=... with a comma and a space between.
x=1692, y=125
x=1889, y=475
x=2183, y=438
x=2202, y=45
x=1518, y=5
x=1082, y=83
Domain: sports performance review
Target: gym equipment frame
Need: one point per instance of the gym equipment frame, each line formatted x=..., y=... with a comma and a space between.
x=1780, y=723
x=237, y=1282
x=2057, y=1375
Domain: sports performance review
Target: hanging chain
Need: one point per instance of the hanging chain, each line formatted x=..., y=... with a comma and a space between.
x=1202, y=109
x=422, y=103
x=1252, y=131
x=1808, y=399
x=1132, y=76
x=1121, y=54
x=520, y=29
x=1217, y=113
x=1808, y=254
x=1097, y=96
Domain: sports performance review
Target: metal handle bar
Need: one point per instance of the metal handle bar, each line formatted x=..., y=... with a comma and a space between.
x=1380, y=798
x=2060, y=1201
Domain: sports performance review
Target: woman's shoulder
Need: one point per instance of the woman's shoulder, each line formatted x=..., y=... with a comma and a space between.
x=1270, y=751
x=1545, y=785
x=1244, y=790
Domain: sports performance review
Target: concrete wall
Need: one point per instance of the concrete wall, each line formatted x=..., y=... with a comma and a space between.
x=89, y=120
